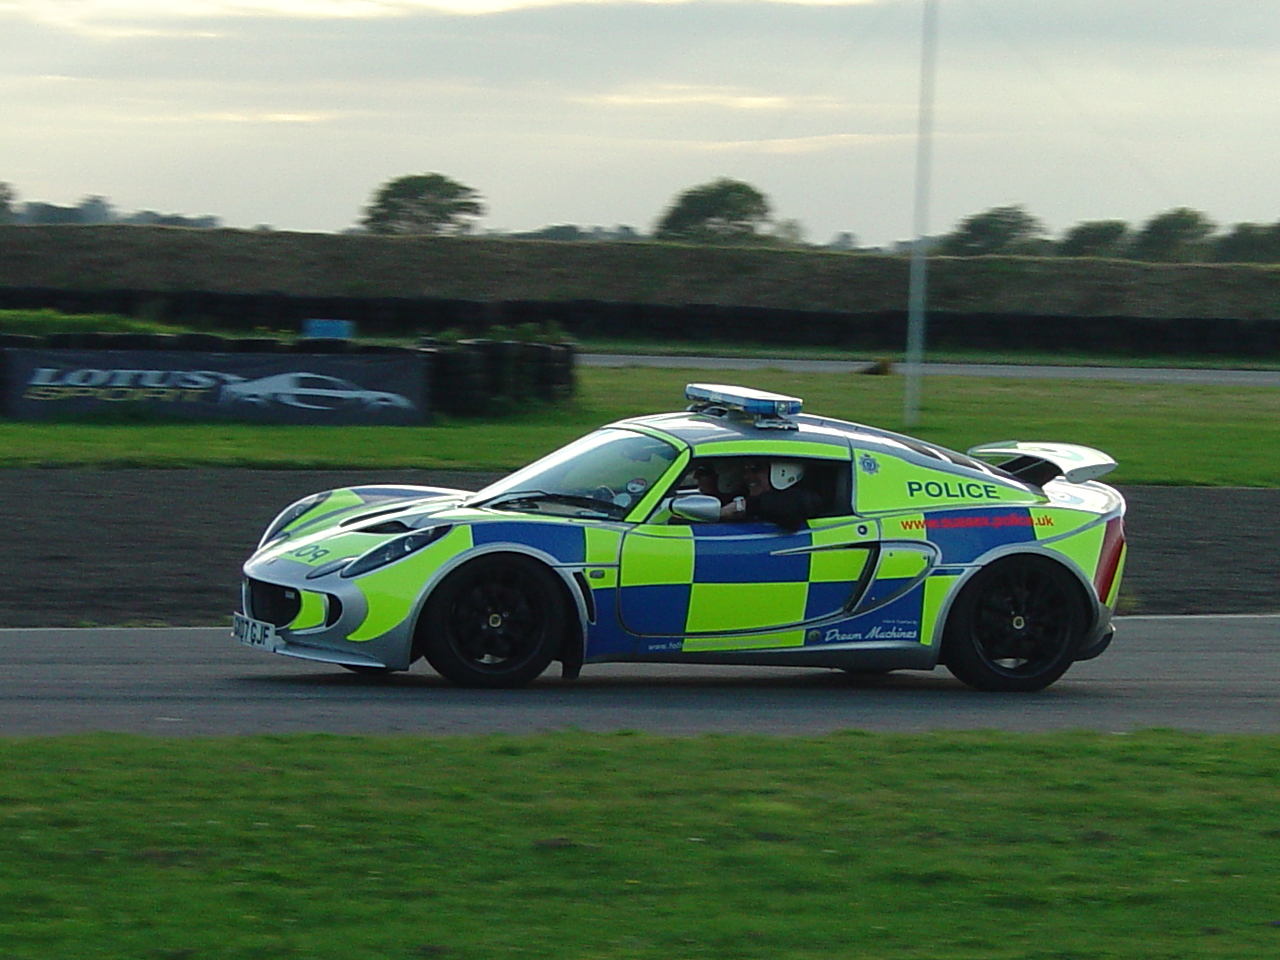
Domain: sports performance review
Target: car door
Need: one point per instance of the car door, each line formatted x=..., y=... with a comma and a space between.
x=727, y=586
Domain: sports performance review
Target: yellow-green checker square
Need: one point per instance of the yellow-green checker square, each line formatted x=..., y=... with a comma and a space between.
x=657, y=556
x=836, y=566
x=754, y=641
x=602, y=545
x=848, y=548
x=714, y=607
x=897, y=563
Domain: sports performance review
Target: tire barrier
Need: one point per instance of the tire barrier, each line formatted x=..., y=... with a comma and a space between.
x=470, y=378
x=868, y=331
x=484, y=377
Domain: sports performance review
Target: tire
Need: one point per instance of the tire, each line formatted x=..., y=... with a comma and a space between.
x=1016, y=626
x=496, y=622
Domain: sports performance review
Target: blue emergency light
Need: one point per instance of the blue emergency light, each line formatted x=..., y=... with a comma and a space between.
x=757, y=403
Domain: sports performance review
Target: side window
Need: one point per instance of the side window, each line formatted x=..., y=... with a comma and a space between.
x=824, y=484
x=833, y=480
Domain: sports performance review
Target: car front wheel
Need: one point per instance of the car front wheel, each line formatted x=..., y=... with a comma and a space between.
x=1016, y=626
x=495, y=622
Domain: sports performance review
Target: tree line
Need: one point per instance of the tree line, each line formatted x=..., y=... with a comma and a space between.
x=1180, y=235
x=728, y=211
x=91, y=211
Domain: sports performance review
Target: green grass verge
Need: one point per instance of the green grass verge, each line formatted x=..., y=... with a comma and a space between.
x=922, y=847
x=1159, y=433
x=44, y=322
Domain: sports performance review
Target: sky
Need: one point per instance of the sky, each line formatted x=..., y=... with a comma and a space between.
x=290, y=113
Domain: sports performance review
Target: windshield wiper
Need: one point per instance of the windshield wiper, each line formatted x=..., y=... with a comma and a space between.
x=603, y=507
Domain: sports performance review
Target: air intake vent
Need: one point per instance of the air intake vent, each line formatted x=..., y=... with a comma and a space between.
x=388, y=526
x=274, y=604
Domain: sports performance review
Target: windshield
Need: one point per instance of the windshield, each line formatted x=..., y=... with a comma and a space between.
x=610, y=470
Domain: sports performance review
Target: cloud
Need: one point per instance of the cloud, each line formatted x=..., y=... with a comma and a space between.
x=686, y=95
x=800, y=145
x=291, y=112
x=83, y=13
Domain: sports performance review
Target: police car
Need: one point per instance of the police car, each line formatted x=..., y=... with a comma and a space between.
x=642, y=541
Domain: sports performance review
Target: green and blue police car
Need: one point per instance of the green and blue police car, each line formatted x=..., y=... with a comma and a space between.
x=648, y=540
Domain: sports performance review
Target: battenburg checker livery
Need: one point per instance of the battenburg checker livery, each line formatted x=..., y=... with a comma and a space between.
x=1003, y=564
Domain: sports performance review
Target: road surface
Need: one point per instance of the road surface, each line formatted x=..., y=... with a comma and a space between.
x=1215, y=377
x=1210, y=674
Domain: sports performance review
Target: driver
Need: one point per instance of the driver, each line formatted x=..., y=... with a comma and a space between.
x=774, y=494
x=714, y=481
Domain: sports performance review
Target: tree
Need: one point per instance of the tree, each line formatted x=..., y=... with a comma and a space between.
x=8, y=199
x=96, y=210
x=1249, y=243
x=998, y=230
x=427, y=203
x=1175, y=235
x=789, y=233
x=40, y=214
x=151, y=218
x=1094, y=238
x=722, y=211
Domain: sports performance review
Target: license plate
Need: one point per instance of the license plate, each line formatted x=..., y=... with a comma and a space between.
x=254, y=633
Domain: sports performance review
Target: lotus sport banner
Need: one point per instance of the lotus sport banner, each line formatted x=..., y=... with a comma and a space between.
x=264, y=387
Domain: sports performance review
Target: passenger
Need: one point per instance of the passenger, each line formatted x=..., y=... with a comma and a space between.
x=774, y=494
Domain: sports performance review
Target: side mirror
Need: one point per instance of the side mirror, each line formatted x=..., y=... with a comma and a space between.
x=697, y=507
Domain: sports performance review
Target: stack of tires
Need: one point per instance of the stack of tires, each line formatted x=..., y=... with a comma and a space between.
x=457, y=380
x=554, y=372
x=480, y=377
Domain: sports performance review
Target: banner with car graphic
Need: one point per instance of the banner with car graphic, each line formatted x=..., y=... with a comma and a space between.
x=377, y=388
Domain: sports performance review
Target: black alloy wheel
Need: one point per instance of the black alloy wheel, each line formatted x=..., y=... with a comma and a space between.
x=495, y=622
x=1016, y=626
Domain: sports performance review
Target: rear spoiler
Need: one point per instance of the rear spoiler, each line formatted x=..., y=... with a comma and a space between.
x=1038, y=463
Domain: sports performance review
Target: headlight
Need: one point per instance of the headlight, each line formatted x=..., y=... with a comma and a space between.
x=290, y=514
x=394, y=550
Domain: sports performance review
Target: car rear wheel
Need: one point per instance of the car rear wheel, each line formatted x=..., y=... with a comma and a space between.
x=1016, y=626
x=496, y=622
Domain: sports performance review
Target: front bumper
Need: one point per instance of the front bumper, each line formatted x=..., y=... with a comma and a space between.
x=315, y=625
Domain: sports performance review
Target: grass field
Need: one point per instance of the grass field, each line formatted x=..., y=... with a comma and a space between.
x=1159, y=433
x=925, y=847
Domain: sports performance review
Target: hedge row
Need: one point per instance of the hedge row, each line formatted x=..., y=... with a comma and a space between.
x=867, y=331
x=468, y=378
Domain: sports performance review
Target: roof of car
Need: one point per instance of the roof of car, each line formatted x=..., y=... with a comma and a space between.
x=711, y=434
x=701, y=430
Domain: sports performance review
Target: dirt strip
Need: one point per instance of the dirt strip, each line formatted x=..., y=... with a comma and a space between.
x=138, y=547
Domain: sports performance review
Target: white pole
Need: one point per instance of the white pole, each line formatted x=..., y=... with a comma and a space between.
x=918, y=281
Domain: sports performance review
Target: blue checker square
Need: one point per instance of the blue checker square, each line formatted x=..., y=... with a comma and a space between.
x=965, y=535
x=827, y=598
x=606, y=637
x=731, y=531
x=566, y=543
x=655, y=610
x=749, y=559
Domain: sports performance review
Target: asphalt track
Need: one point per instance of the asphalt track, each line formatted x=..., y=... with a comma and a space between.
x=1189, y=375
x=1212, y=674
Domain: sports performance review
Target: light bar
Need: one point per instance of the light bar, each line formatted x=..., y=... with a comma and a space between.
x=755, y=402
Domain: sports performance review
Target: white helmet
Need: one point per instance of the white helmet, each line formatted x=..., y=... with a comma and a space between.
x=785, y=473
